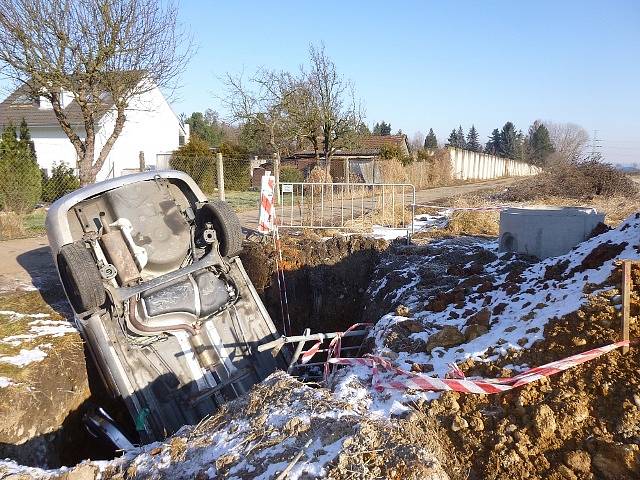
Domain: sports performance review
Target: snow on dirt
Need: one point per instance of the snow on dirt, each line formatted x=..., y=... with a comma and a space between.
x=503, y=308
x=39, y=328
x=448, y=302
x=421, y=223
x=25, y=356
x=5, y=382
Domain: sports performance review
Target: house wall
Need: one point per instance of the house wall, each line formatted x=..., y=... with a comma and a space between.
x=468, y=165
x=52, y=146
x=151, y=127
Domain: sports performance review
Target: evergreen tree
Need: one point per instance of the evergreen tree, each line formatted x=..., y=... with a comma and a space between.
x=508, y=141
x=473, y=142
x=462, y=143
x=493, y=145
x=539, y=143
x=20, y=177
x=207, y=127
x=452, y=141
x=382, y=128
x=430, y=141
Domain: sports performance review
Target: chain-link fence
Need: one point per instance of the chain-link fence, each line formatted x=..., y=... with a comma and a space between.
x=26, y=190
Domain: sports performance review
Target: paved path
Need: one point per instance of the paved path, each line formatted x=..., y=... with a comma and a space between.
x=27, y=262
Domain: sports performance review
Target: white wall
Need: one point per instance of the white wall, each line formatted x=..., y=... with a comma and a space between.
x=468, y=165
x=52, y=146
x=151, y=127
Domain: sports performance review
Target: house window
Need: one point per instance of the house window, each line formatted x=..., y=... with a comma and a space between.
x=180, y=140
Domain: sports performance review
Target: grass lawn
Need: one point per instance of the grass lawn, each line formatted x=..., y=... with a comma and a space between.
x=243, y=201
x=32, y=224
x=34, y=221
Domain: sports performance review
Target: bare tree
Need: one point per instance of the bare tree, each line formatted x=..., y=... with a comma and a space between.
x=417, y=141
x=335, y=107
x=569, y=141
x=105, y=53
x=262, y=100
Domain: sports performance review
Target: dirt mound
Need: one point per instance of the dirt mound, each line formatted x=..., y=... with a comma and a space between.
x=577, y=180
x=261, y=434
x=43, y=382
x=495, y=318
x=571, y=425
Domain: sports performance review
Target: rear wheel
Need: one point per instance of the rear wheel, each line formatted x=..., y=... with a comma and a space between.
x=226, y=224
x=81, y=278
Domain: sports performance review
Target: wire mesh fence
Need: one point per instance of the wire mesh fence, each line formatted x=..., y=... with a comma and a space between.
x=355, y=207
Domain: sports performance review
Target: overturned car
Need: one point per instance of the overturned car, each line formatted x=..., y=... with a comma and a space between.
x=167, y=310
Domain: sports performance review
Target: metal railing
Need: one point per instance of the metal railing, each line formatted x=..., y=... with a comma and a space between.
x=347, y=206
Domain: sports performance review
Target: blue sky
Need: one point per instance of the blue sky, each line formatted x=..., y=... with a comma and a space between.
x=422, y=65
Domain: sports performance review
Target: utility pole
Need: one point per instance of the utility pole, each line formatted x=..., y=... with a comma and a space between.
x=595, y=144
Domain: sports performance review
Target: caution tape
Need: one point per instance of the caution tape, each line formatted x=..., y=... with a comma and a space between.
x=497, y=208
x=403, y=380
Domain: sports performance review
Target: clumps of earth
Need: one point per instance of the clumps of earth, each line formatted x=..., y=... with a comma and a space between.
x=326, y=279
x=442, y=303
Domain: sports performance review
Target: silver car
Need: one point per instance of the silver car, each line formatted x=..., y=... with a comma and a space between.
x=167, y=310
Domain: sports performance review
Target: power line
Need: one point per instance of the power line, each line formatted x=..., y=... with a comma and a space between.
x=595, y=143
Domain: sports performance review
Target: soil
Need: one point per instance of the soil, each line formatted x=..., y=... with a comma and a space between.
x=584, y=423
x=326, y=279
x=40, y=413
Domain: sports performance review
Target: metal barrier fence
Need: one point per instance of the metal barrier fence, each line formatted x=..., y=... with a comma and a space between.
x=346, y=206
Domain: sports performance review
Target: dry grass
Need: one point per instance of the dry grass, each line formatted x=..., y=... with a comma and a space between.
x=433, y=171
x=466, y=222
x=11, y=226
x=393, y=172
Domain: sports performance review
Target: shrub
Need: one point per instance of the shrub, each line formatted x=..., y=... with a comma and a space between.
x=584, y=180
x=196, y=159
x=318, y=175
x=62, y=181
x=11, y=226
x=237, y=168
x=290, y=174
x=20, y=177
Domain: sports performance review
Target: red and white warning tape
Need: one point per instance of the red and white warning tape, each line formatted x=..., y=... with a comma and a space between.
x=470, y=209
x=403, y=380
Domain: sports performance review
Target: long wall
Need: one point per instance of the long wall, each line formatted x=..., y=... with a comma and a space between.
x=468, y=165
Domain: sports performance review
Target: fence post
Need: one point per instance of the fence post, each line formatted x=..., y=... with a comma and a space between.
x=220, y=173
x=141, y=159
x=626, y=301
x=276, y=174
x=347, y=171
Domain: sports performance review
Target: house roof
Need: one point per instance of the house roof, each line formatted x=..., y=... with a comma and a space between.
x=20, y=104
x=368, y=142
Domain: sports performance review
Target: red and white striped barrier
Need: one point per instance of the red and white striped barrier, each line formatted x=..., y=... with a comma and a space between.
x=403, y=380
x=266, y=221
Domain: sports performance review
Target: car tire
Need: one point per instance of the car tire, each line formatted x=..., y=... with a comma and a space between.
x=81, y=277
x=226, y=225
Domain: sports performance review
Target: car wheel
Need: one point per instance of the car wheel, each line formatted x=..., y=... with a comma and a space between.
x=81, y=277
x=226, y=224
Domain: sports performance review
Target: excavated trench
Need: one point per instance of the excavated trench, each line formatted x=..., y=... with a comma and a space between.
x=326, y=281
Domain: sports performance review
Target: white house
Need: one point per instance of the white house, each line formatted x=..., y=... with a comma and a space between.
x=151, y=127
